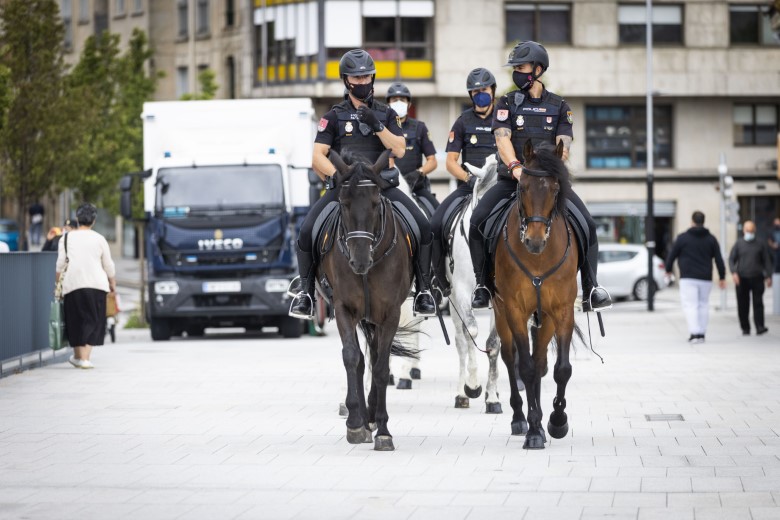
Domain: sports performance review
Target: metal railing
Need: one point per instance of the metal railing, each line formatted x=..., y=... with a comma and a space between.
x=26, y=291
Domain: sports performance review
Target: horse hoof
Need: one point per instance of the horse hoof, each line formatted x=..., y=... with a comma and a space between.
x=461, y=402
x=357, y=435
x=368, y=436
x=519, y=428
x=415, y=373
x=391, y=380
x=493, y=408
x=557, y=432
x=472, y=392
x=383, y=443
x=534, y=441
x=404, y=384
x=343, y=412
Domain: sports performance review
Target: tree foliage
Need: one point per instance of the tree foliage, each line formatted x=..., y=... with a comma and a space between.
x=208, y=87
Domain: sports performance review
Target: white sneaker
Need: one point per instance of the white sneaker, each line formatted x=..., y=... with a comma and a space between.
x=85, y=363
x=75, y=362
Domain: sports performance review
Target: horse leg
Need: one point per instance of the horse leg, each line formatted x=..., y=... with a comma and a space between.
x=383, y=339
x=461, y=400
x=405, y=373
x=558, y=424
x=472, y=389
x=532, y=368
x=492, y=404
x=351, y=355
x=508, y=353
x=362, y=400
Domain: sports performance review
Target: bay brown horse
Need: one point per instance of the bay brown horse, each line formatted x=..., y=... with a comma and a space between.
x=370, y=271
x=536, y=278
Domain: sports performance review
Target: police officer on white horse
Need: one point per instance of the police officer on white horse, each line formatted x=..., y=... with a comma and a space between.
x=366, y=127
x=531, y=112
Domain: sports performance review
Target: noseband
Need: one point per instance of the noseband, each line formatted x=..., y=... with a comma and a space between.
x=375, y=239
x=525, y=220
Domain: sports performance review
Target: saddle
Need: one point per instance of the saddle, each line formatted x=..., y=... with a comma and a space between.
x=498, y=218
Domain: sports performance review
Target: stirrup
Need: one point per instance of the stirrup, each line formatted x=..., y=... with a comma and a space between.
x=295, y=287
x=424, y=314
x=587, y=305
x=490, y=296
x=299, y=315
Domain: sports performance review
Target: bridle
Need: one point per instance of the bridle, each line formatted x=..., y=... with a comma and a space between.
x=524, y=219
x=376, y=239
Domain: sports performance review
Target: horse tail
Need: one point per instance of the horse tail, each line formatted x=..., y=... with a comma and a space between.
x=398, y=347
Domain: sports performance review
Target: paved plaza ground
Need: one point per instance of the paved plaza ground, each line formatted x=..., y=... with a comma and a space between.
x=248, y=428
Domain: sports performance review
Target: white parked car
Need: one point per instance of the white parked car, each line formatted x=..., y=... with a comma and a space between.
x=623, y=270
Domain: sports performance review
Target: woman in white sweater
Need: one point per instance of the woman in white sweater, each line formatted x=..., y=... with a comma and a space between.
x=89, y=276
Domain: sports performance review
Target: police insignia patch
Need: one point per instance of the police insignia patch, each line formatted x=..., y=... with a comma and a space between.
x=323, y=124
x=502, y=115
x=520, y=121
x=570, y=118
x=452, y=137
x=348, y=127
x=473, y=139
x=398, y=120
x=549, y=119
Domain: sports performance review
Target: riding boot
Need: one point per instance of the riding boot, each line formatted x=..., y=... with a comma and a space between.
x=594, y=297
x=439, y=270
x=424, y=304
x=481, y=297
x=302, y=305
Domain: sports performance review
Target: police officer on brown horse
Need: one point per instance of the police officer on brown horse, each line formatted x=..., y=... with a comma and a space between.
x=531, y=112
x=367, y=127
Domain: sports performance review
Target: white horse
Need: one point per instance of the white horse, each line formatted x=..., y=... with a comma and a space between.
x=460, y=272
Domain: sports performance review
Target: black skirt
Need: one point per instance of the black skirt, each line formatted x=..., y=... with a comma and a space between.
x=85, y=317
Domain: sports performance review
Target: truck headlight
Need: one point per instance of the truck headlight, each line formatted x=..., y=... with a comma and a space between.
x=166, y=287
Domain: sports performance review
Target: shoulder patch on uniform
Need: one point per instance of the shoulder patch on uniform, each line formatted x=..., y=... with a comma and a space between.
x=323, y=124
x=398, y=120
x=570, y=118
x=452, y=137
x=429, y=136
x=502, y=115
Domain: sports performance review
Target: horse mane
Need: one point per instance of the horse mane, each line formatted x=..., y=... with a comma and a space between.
x=548, y=161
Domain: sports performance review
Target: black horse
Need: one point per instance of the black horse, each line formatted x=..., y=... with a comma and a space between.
x=370, y=272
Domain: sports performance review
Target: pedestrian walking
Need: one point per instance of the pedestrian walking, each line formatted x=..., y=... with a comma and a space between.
x=55, y=235
x=774, y=244
x=36, y=213
x=694, y=251
x=751, y=267
x=89, y=276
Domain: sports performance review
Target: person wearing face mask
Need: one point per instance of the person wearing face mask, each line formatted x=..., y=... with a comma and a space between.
x=418, y=146
x=531, y=112
x=751, y=266
x=366, y=127
x=470, y=141
x=774, y=244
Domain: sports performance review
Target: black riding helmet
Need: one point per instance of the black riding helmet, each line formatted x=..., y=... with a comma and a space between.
x=356, y=62
x=529, y=52
x=398, y=90
x=479, y=78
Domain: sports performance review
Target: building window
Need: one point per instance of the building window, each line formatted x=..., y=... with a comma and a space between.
x=667, y=23
x=182, y=81
x=616, y=136
x=119, y=7
x=231, y=77
x=230, y=13
x=84, y=11
x=183, y=12
x=203, y=16
x=749, y=25
x=545, y=23
x=755, y=124
x=66, y=9
x=398, y=38
x=138, y=6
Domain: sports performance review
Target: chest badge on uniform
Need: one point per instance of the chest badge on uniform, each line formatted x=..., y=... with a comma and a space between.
x=348, y=127
x=549, y=119
x=520, y=121
x=473, y=139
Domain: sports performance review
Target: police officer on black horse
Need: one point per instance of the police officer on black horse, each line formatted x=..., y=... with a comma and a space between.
x=470, y=141
x=418, y=146
x=535, y=113
x=367, y=127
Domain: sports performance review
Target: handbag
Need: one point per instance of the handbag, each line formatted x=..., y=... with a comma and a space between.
x=58, y=287
x=112, y=305
x=57, y=336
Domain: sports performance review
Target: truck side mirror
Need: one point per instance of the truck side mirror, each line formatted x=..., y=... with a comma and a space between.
x=125, y=200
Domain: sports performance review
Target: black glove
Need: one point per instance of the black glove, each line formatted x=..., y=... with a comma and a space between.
x=472, y=181
x=367, y=116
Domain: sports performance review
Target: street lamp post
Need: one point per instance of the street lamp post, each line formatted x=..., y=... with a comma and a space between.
x=726, y=206
x=650, y=220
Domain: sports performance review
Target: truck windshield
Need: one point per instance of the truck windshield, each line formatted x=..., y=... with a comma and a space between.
x=220, y=187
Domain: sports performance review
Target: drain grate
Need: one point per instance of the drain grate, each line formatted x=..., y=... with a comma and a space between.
x=664, y=417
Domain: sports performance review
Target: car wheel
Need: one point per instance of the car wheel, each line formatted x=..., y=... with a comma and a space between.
x=161, y=329
x=640, y=289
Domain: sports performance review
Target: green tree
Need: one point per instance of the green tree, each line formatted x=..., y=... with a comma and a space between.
x=208, y=87
x=36, y=136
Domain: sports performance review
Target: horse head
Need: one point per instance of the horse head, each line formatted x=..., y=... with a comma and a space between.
x=542, y=192
x=362, y=213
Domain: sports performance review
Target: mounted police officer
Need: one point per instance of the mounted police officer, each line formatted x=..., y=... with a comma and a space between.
x=531, y=112
x=418, y=146
x=367, y=127
x=470, y=141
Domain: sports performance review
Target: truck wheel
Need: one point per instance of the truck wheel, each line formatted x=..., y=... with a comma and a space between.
x=161, y=330
x=290, y=327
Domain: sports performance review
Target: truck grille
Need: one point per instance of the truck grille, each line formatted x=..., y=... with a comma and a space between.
x=222, y=300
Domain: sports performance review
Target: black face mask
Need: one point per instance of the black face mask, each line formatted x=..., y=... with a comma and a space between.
x=361, y=92
x=523, y=80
